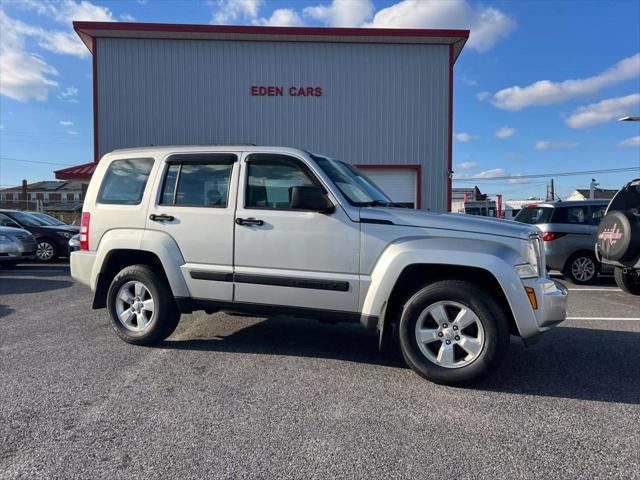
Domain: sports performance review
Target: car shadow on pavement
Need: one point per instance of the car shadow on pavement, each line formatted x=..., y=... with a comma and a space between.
x=576, y=363
x=16, y=286
x=5, y=311
x=35, y=270
x=288, y=336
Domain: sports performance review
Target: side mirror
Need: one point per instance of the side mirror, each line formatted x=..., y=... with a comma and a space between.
x=310, y=198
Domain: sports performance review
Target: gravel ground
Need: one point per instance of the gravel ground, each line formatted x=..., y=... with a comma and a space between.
x=240, y=397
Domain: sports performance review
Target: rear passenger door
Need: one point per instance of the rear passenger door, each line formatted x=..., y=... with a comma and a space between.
x=194, y=204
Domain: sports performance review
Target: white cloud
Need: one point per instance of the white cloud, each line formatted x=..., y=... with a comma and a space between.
x=603, y=111
x=67, y=11
x=126, y=17
x=342, y=13
x=547, y=145
x=468, y=81
x=68, y=92
x=64, y=42
x=66, y=123
x=233, y=11
x=72, y=132
x=25, y=75
x=488, y=25
x=505, y=132
x=282, y=17
x=464, y=137
x=630, y=142
x=545, y=92
x=467, y=165
x=482, y=96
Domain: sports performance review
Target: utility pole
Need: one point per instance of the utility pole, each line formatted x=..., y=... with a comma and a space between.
x=592, y=188
x=551, y=194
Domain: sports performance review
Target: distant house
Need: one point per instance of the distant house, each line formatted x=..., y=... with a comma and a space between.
x=46, y=192
x=599, y=194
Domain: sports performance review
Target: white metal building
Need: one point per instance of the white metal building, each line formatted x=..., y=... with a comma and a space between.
x=377, y=98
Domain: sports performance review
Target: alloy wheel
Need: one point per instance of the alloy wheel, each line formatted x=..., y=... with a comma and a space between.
x=134, y=306
x=45, y=251
x=450, y=334
x=583, y=269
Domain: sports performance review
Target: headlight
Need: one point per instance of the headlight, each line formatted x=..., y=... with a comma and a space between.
x=535, y=265
x=4, y=238
x=65, y=234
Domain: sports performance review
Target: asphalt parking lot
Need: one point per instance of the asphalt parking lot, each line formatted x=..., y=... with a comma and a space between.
x=239, y=397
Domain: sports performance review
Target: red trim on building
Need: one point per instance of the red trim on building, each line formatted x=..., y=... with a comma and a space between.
x=94, y=65
x=450, y=159
x=409, y=166
x=78, y=172
x=304, y=31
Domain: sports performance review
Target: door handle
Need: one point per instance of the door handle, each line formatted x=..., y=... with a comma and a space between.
x=249, y=222
x=161, y=218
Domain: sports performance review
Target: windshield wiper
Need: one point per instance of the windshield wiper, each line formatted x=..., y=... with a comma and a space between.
x=382, y=203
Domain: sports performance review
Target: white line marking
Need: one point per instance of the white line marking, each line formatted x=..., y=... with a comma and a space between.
x=631, y=319
x=604, y=289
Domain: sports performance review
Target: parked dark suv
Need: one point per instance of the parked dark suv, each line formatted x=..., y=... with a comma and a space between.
x=52, y=239
x=569, y=231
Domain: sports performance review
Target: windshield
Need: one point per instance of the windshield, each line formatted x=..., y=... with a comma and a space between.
x=353, y=184
x=48, y=219
x=28, y=219
x=534, y=215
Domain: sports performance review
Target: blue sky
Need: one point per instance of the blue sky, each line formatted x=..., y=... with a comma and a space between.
x=538, y=88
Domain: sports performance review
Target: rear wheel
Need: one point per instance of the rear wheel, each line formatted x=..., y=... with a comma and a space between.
x=628, y=282
x=141, y=306
x=453, y=333
x=582, y=268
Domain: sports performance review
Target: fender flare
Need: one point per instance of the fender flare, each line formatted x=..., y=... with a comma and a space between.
x=496, y=259
x=158, y=243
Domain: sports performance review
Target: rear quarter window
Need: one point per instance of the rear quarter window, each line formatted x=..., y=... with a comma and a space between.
x=125, y=180
x=534, y=215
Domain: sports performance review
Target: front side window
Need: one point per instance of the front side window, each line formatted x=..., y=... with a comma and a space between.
x=124, y=181
x=269, y=182
x=355, y=185
x=198, y=184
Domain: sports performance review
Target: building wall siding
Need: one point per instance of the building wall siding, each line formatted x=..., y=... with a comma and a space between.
x=381, y=103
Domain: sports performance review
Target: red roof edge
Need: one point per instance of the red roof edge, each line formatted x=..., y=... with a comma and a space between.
x=78, y=172
x=81, y=26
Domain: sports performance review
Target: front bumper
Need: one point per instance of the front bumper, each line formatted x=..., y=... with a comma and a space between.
x=551, y=297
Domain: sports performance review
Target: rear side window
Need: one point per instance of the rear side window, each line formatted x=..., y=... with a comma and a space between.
x=198, y=181
x=572, y=215
x=597, y=212
x=124, y=181
x=534, y=215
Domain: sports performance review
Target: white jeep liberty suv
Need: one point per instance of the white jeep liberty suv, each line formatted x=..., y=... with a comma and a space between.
x=266, y=230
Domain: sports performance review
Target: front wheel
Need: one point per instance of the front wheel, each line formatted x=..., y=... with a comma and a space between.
x=628, y=282
x=453, y=333
x=141, y=306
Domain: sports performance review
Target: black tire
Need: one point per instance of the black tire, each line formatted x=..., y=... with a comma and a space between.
x=574, y=260
x=46, y=243
x=491, y=316
x=165, y=317
x=628, y=282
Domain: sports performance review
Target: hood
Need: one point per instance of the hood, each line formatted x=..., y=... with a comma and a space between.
x=449, y=221
x=62, y=228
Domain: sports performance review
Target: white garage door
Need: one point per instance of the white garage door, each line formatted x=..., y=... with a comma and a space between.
x=398, y=183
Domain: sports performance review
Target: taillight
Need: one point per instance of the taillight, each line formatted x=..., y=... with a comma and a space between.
x=548, y=236
x=84, y=231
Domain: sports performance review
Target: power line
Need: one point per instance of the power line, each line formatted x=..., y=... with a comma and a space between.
x=35, y=161
x=546, y=175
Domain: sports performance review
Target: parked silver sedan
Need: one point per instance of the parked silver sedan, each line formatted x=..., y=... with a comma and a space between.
x=16, y=245
x=569, y=232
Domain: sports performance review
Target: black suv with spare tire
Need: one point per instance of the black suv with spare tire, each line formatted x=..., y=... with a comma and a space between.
x=618, y=241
